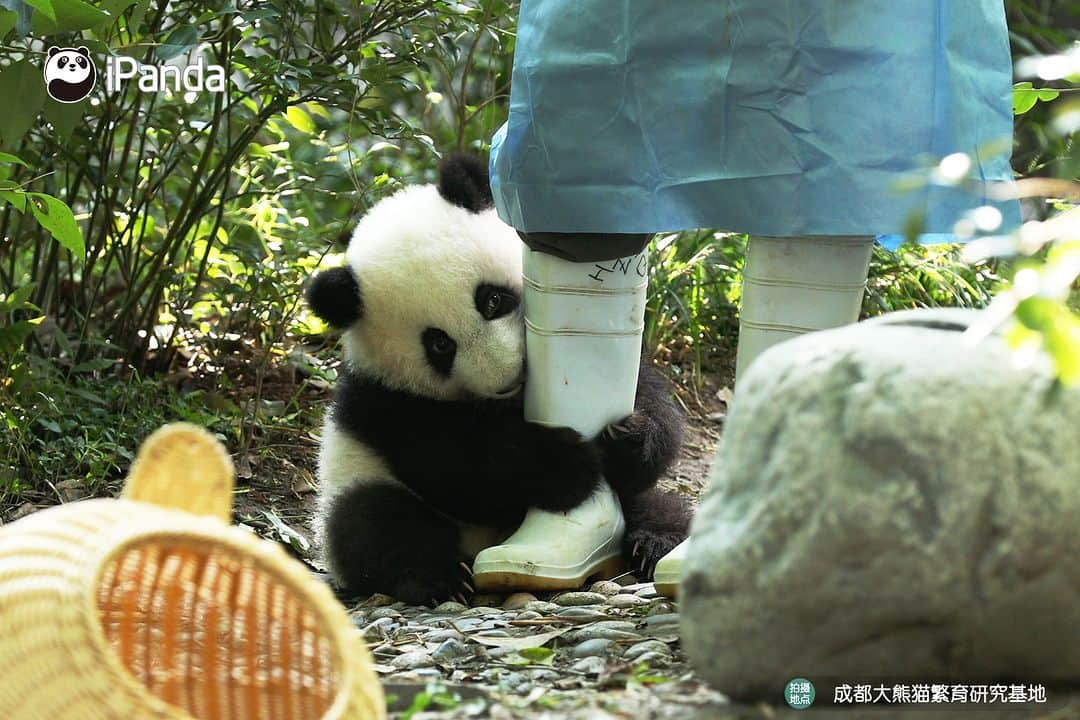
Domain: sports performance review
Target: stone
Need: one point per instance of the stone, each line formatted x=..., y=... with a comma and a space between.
x=648, y=646
x=542, y=606
x=653, y=621
x=579, y=598
x=624, y=600
x=580, y=614
x=384, y=612
x=528, y=615
x=889, y=497
x=412, y=661
x=479, y=611
x=441, y=635
x=597, y=647
x=590, y=666
x=450, y=650
x=518, y=601
x=592, y=632
x=606, y=587
x=449, y=608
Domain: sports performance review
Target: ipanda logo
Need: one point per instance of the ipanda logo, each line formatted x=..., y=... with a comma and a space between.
x=70, y=75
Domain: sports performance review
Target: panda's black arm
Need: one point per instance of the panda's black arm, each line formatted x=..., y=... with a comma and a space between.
x=549, y=468
x=638, y=449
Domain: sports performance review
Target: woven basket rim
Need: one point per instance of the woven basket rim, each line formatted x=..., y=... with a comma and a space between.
x=207, y=533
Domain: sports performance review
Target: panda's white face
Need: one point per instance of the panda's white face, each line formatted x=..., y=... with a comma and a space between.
x=68, y=65
x=440, y=290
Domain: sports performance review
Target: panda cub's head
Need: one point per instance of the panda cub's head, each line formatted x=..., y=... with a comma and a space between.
x=429, y=298
x=69, y=73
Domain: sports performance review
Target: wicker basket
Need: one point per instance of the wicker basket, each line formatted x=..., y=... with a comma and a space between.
x=150, y=606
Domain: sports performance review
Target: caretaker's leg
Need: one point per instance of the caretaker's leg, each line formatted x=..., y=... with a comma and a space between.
x=584, y=316
x=791, y=286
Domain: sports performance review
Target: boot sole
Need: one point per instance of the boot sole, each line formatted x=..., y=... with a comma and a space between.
x=527, y=581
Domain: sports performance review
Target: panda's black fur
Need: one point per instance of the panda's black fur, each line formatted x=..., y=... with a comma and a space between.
x=426, y=465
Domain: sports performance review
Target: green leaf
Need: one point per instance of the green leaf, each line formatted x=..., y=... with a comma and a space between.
x=1060, y=331
x=23, y=88
x=92, y=365
x=56, y=217
x=45, y=7
x=180, y=40
x=299, y=119
x=12, y=336
x=17, y=199
x=8, y=157
x=7, y=21
x=541, y=655
x=71, y=16
x=1025, y=96
x=64, y=117
x=49, y=424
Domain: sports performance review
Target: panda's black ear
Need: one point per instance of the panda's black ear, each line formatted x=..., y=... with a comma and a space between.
x=334, y=295
x=53, y=50
x=82, y=50
x=463, y=181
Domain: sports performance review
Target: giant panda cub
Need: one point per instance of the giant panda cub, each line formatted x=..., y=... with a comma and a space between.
x=425, y=441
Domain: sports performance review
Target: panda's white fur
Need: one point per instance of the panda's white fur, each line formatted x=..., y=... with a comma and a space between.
x=416, y=239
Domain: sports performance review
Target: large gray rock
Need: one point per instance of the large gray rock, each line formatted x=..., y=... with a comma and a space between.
x=889, y=500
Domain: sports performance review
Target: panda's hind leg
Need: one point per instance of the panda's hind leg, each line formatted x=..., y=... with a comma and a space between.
x=656, y=522
x=380, y=538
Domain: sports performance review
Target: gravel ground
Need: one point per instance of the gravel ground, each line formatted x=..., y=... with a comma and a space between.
x=609, y=651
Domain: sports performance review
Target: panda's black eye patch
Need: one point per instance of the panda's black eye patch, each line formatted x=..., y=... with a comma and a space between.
x=63, y=59
x=493, y=301
x=81, y=61
x=440, y=349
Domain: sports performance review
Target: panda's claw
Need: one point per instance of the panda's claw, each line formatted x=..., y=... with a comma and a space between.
x=466, y=568
x=634, y=552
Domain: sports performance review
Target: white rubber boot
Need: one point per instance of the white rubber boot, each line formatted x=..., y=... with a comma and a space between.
x=791, y=286
x=583, y=325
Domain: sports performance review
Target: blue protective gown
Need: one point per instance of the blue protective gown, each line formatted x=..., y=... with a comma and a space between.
x=772, y=117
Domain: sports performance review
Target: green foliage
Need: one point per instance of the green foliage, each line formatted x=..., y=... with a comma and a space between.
x=149, y=233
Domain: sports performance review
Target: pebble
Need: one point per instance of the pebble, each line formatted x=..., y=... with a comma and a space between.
x=625, y=600
x=498, y=652
x=580, y=614
x=653, y=621
x=652, y=658
x=544, y=675
x=594, y=633
x=542, y=606
x=661, y=608
x=606, y=587
x=590, y=665
x=572, y=599
x=626, y=580
x=648, y=646
x=597, y=647
x=528, y=615
x=384, y=612
x=442, y=635
x=412, y=661
x=518, y=600
x=648, y=592
x=493, y=633
x=449, y=650
x=449, y=608
x=379, y=629
x=479, y=611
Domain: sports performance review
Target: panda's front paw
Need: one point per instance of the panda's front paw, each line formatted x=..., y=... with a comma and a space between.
x=633, y=435
x=434, y=585
x=569, y=468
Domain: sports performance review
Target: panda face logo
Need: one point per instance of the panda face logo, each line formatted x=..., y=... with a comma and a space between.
x=69, y=74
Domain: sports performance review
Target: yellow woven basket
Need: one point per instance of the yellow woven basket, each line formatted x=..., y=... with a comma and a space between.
x=151, y=607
